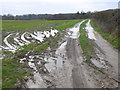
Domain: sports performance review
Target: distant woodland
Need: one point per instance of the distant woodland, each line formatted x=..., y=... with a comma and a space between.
x=69, y=16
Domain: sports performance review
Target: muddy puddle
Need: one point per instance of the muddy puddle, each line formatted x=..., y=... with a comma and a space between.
x=74, y=32
x=91, y=33
x=99, y=62
x=25, y=39
x=44, y=65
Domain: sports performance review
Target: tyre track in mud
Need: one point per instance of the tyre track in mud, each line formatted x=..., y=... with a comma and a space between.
x=74, y=71
x=73, y=53
x=108, y=58
x=110, y=55
x=86, y=76
x=75, y=57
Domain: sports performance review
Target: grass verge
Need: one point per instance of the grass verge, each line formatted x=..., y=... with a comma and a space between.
x=26, y=48
x=66, y=24
x=112, y=39
x=42, y=47
x=86, y=44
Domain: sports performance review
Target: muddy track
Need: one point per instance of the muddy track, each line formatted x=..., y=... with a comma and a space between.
x=67, y=67
x=86, y=74
x=73, y=52
x=64, y=65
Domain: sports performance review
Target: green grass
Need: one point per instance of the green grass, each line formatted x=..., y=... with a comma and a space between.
x=86, y=44
x=27, y=48
x=66, y=24
x=42, y=47
x=7, y=52
x=101, y=69
x=111, y=38
x=12, y=73
x=24, y=25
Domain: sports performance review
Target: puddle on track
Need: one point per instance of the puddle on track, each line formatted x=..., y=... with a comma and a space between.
x=60, y=52
x=100, y=62
x=37, y=82
x=58, y=60
x=90, y=30
x=51, y=64
x=96, y=63
x=74, y=32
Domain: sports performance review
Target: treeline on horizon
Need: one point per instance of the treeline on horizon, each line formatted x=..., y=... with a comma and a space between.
x=69, y=16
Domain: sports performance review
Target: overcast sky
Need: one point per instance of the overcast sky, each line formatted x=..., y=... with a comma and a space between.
x=19, y=7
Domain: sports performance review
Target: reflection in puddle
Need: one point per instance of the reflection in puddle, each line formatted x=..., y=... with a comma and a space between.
x=57, y=62
x=99, y=63
x=26, y=38
x=90, y=30
x=37, y=83
x=74, y=32
x=60, y=52
x=50, y=63
x=96, y=63
x=47, y=63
